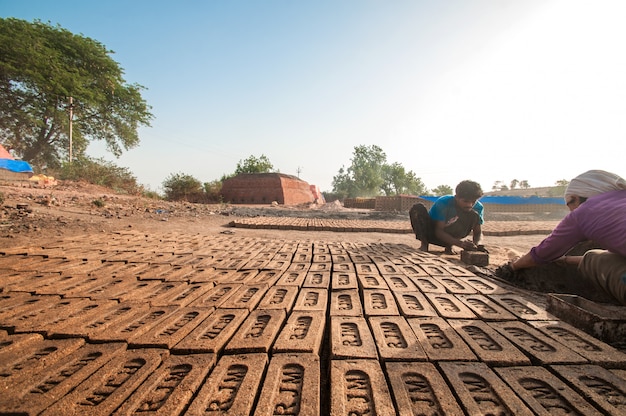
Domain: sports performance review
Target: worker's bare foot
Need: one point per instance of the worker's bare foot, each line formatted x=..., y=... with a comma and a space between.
x=424, y=247
x=449, y=250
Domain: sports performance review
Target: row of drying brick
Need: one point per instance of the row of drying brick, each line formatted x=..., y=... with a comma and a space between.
x=71, y=377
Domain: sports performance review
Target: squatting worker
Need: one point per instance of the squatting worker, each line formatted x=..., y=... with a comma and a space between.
x=450, y=219
x=597, y=204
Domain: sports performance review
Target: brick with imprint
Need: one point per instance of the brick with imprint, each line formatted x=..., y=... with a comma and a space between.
x=541, y=348
x=426, y=284
x=257, y=333
x=303, y=333
x=543, y=392
x=366, y=269
x=311, y=299
x=181, y=294
x=320, y=280
x=15, y=341
x=372, y=281
x=24, y=281
x=345, y=303
x=134, y=325
x=269, y=277
x=440, y=340
x=232, y=386
x=449, y=306
x=413, y=270
x=458, y=271
x=414, y=304
x=21, y=305
x=213, y=333
x=419, y=389
x=400, y=283
x=490, y=346
x=172, y=329
x=350, y=337
x=240, y=276
x=343, y=268
x=321, y=267
x=485, y=308
x=292, y=278
x=279, y=297
x=522, y=308
x=395, y=339
x=388, y=268
x=379, y=303
x=246, y=296
x=455, y=285
x=35, y=319
x=359, y=388
x=485, y=286
x=215, y=296
x=342, y=281
x=77, y=315
x=481, y=391
x=109, y=387
x=435, y=270
x=291, y=387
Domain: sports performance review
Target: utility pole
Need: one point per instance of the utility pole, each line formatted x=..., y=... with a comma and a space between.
x=71, y=118
x=298, y=170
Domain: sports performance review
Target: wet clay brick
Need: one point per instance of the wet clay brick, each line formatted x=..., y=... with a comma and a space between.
x=379, y=303
x=303, y=333
x=414, y=305
x=589, y=347
x=490, y=347
x=182, y=294
x=245, y=297
x=372, y=281
x=39, y=390
x=455, y=285
x=522, y=308
x=341, y=281
x=15, y=365
x=359, y=388
x=435, y=270
x=292, y=278
x=15, y=341
x=319, y=280
x=485, y=308
x=311, y=299
x=34, y=319
x=481, y=392
x=291, y=387
x=257, y=333
x=212, y=333
x=269, y=277
x=484, y=286
x=541, y=348
x=600, y=386
x=231, y=388
x=216, y=296
x=345, y=303
x=133, y=326
x=106, y=389
x=343, y=268
x=172, y=329
x=477, y=258
x=279, y=297
x=23, y=307
x=395, y=339
x=171, y=387
x=351, y=338
x=427, y=284
x=400, y=283
x=543, y=392
x=387, y=268
x=439, y=340
x=77, y=315
x=449, y=306
x=419, y=389
x=240, y=276
x=412, y=270
x=366, y=269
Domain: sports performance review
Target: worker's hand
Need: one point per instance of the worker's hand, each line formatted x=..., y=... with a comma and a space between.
x=561, y=261
x=506, y=271
x=468, y=245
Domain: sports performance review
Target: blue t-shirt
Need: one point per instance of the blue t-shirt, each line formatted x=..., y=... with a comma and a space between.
x=444, y=209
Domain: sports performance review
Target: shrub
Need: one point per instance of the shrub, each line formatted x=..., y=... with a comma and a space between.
x=183, y=187
x=101, y=172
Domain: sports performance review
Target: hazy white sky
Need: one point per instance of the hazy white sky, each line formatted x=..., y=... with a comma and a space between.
x=489, y=90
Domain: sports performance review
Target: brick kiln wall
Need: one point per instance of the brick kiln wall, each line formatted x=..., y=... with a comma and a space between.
x=265, y=188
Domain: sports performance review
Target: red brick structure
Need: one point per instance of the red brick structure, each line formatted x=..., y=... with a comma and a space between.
x=265, y=188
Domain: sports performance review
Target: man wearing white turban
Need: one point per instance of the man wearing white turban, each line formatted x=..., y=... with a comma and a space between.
x=597, y=203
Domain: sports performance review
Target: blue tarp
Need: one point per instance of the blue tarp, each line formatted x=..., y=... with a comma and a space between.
x=15, y=166
x=511, y=200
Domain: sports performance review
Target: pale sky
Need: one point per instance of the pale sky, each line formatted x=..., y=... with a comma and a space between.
x=488, y=90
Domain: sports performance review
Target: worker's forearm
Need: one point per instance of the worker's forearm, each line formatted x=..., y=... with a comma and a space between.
x=523, y=262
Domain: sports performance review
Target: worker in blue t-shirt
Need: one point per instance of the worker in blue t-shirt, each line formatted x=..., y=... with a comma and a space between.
x=450, y=219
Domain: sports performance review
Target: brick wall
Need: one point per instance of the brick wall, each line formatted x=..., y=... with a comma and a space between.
x=265, y=188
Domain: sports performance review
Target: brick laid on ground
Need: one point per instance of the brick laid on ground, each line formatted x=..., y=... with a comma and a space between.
x=395, y=339
x=379, y=303
x=427, y=284
x=341, y=281
x=485, y=308
x=440, y=341
x=522, y=308
x=345, y=303
x=135, y=325
x=350, y=337
x=35, y=319
x=213, y=333
x=279, y=297
x=455, y=285
x=303, y=333
x=311, y=299
x=449, y=306
x=257, y=333
x=413, y=305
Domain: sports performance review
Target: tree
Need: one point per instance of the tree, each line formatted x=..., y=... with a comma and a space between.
x=524, y=184
x=180, y=186
x=46, y=72
x=442, y=190
x=254, y=165
x=397, y=181
x=514, y=183
x=364, y=177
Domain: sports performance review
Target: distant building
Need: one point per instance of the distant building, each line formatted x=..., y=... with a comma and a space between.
x=265, y=188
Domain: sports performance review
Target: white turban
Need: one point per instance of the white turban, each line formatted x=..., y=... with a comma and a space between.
x=594, y=182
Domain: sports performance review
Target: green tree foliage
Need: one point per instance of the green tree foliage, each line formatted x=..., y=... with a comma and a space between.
x=41, y=67
x=442, y=190
x=254, y=165
x=182, y=187
x=101, y=172
x=370, y=175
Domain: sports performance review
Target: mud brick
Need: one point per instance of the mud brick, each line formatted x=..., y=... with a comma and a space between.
x=269, y=277
x=257, y=333
x=343, y=268
x=278, y=265
x=439, y=340
x=345, y=303
x=103, y=285
x=522, y=308
x=21, y=305
x=247, y=296
x=170, y=389
x=292, y=278
x=284, y=256
x=359, y=388
x=477, y=258
x=33, y=357
x=366, y=269
x=379, y=303
x=341, y=281
x=176, y=293
x=213, y=333
x=302, y=257
x=303, y=333
x=59, y=285
x=490, y=347
x=321, y=267
x=119, y=269
x=414, y=305
x=279, y=297
x=319, y=280
x=603, y=388
x=372, y=281
x=395, y=339
x=341, y=258
x=595, y=351
x=435, y=270
x=38, y=390
x=232, y=386
x=481, y=391
x=539, y=347
x=35, y=318
x=449, y=306
x=134, y=325
x=485, y=308
x=351, y=338
x=300, y=266
x=15, y=341
x=427, y=284
x=210, y=275
x=543, y=392
x=455, y=285
x=388, y=268
x=172, y=329
x=255, y=264
x=311, y=299
x=400, y=283
x=106, y=389
x=412, y=270
x=484, y=286
x=131, y=290
x=158, y=271
x=419, y=389
x=359, y=258
x=16, y=281
x=215, y=296
x=9, y=300
x=291, y=387
x=75, y=284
